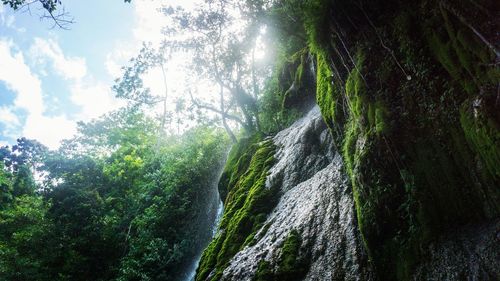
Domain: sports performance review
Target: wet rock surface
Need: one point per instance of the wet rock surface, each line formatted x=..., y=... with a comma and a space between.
x=469, y=253
x=316, y=202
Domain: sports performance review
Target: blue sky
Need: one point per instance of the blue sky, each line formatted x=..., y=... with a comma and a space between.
x=51, y=78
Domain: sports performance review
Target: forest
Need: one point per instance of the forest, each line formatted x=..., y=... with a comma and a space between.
x=308, y=140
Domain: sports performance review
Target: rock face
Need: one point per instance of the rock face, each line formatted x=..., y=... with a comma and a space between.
x=316, y=202
x=407, y=172
x=469, y=253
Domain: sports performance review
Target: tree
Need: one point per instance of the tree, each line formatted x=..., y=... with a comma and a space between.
x=23, y=160
x=25, y=240
x=220, y=37
x=131, y=87
x=26, y=152
x=5, y=187
x=220, y=54
x=101, y=137
x=53, y=10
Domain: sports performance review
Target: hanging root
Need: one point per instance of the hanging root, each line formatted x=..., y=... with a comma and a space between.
x=389, y=50
x=444, y=5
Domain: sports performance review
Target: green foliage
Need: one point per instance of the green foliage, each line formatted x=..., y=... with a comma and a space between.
x=26, y=250
x=49, y=5
x=269, y=106
x=127, y=127
x=131, y=87
x=5, y=187
x=246, y=206
x=409, y=91
x=168, y=230
x=115, y=203
x=87, y=250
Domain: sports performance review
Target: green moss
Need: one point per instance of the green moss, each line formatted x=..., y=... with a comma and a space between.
x=381, y=115
x=299, y=72
x=298, y=93
x=315, y=18
x=460, y=52
x=326, y=96
x=264, y=272
x=483, y=135
x=418, y=165
x=355, y=89
x=237, y=163
x=290, y=266
x=247, y=204
x=420, y=158
x=443, y=53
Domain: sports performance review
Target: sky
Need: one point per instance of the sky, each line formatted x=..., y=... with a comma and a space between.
x=51, y=78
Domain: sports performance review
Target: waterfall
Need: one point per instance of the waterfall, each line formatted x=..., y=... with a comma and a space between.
x=191, y=273
x=213, y=214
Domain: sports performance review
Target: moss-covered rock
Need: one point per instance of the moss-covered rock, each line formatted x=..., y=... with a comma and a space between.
x=291, y=266
x=409, y=93
x=237, y=163
x=300, y=94
x=247, y=204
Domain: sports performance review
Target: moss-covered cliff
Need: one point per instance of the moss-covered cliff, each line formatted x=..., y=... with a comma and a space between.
x=410, y=93
x=247, y=203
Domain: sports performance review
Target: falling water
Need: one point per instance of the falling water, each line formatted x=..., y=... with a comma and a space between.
x=192, y=269
x=213, y=215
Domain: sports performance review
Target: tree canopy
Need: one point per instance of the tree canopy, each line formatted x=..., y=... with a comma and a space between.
x=126, y=197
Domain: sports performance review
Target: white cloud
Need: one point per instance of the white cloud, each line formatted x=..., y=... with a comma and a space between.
x=19, y=78
x=118, y=58
x=149, y=21
x=9, y=20
x=49, y=130
x=10, y=121
x=93, y=97
x=94, y=100
x=27, y=87
x=8, y=117
x=68, y=67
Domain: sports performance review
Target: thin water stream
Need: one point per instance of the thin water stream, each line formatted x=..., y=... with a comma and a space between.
x=191, y=273
x=213, y=215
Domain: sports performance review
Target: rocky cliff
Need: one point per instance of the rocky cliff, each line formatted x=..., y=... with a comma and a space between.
x=396, y=176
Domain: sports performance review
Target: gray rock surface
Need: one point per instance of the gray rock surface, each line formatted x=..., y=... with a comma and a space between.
x=316, y=201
